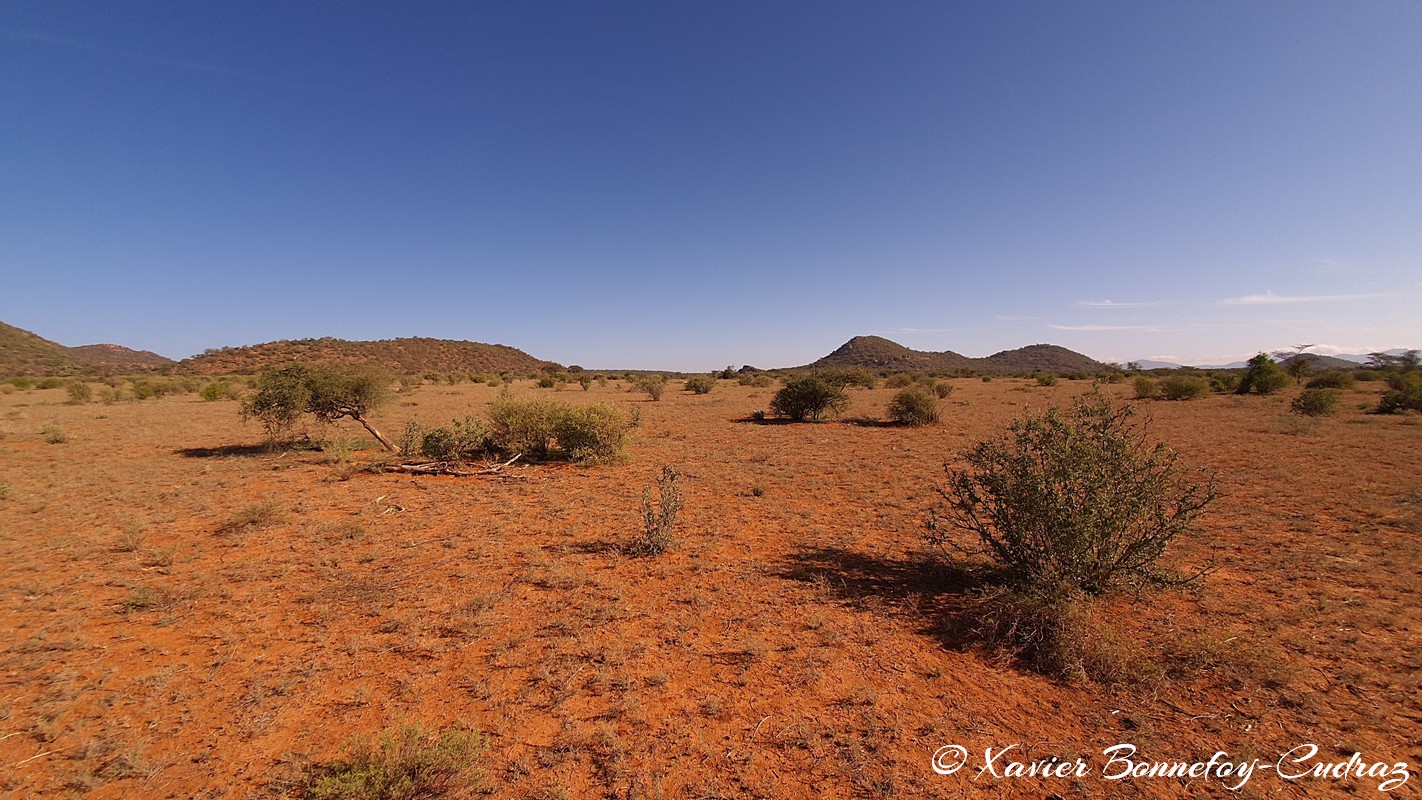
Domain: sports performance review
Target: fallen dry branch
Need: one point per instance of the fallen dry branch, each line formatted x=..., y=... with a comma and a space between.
x=448, y=468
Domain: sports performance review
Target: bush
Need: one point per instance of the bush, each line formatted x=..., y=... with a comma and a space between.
x=914, y=407
x=408, y=762
x=463, y=439
x=811, y=397
x=1075, y=499
x=1405, y=394
x=1262, y=376
x=700, y=384
x=651, y=384
x=1047, y=380
x=53, y=434
x=580, y=433
x=1146, y=388
x=657, y=521
x=326, y=391
x=756, y=379
x=523, y=426
x=1224, y=382
x=219, y=390
x=79, y=392
x=591, y=433
x=1333, y=379
x=941, y=390
x=1315, y=402
x=1183, y=387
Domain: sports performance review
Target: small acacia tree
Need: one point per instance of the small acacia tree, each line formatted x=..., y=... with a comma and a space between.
x=1262, y=376
x=326, y=391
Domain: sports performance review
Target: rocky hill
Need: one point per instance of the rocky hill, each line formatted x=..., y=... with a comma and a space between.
x=26, y=353
x=403, y=356
x=878, y=354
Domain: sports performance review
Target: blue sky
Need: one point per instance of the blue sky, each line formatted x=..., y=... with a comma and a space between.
x=686, y=185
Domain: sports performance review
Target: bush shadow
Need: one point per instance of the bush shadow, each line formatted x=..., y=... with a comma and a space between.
x=926, y=592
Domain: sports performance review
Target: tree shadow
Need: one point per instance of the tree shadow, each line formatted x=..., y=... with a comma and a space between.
x=924, y=591
x=246, y=450
x=765, y=421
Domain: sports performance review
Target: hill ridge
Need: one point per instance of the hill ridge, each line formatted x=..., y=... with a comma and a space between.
x=408, y=355
x=27, y=353
x=879, y=353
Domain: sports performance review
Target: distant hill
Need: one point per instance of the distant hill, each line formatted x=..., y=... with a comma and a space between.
x=26, y=353
x=403, y=356
x=877, y=354
x=1316, y=361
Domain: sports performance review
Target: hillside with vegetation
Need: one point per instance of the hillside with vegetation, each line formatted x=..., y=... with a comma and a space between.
x=877, y=354
x=417, y=355
x=29, y=354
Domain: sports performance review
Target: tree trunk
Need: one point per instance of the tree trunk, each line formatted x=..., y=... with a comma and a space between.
x=377, y=434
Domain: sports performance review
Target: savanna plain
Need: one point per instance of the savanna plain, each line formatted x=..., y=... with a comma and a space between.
x=189, y=613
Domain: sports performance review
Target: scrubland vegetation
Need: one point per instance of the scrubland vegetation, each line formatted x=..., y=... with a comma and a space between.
x=606, y=590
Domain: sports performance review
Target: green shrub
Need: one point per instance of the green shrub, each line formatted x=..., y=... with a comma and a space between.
x=53, y=434
x=462, y=440
x=1262, y=376
x=913, y=406
x=941, y=390
x=1047, y=380
x=658, y=520
x=1405, y=393
x=1146, y=388
x=592, y=433
x=651, y=384
x=409, y=762
x=1224, y=382
x=48, y=383
x=700, y=384
x=1315, y=402
x=20, y=383
x=757, y=379
x=535, y=428
x=1075, y=499
x=899, y=381
x=811, y=397
x=79, y=392
x=1183, y=387
x=220, y=390
x=1333, y=379
x=523, y=426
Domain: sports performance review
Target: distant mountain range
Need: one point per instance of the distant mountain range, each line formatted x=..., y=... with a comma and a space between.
x=879, y=354
x=1340, y=361
x=25, y=353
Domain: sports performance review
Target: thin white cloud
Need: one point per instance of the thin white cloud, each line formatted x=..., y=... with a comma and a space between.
x=1271, y=299
x=1095, y=328
x=1112, y=304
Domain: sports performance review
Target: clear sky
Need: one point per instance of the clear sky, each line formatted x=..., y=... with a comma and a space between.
x=686, y=185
